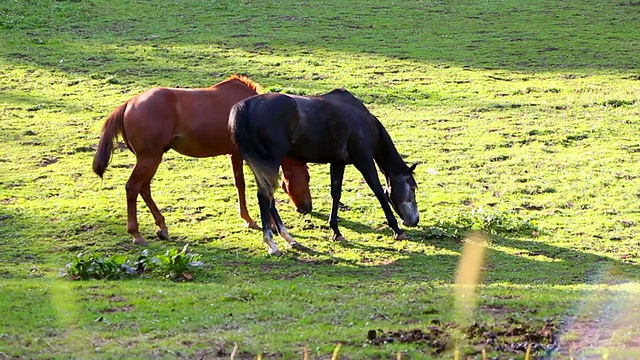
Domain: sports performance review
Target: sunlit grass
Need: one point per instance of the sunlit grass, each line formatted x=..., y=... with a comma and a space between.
x=524, y=127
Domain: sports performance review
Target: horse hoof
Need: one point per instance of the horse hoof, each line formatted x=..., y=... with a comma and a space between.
x=163, y=234
x=339, y=238
x=400, y=237
x=140, y=242
x=252, y=225
x=275, y=253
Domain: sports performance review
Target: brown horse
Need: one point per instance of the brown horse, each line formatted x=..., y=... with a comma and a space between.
x=192, y=122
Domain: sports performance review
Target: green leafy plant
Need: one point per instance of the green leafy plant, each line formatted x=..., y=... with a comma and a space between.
x=177, y=265
x=173, y=264
x=97, y=266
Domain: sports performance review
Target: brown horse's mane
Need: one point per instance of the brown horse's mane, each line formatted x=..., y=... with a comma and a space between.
x=245, y=80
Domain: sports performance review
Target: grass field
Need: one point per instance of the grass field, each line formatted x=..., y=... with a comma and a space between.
x=523, y=116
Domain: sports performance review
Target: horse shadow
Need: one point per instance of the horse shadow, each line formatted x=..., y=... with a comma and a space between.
x=351, y=225
x=507, y=259
x=511, y=259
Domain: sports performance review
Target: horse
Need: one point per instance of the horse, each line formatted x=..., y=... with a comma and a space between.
x=192, y=122
x=334, y=128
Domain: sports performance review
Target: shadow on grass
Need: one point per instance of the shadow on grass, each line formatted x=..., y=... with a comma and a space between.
x=348, y=224
x=533, y=36
x=508, y=260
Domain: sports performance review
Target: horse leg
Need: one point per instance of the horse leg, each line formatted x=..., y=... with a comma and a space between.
x=265, y=202
x=277, y=221
x=162, y=231
x=368, y=169
x=238, y=177
x=337, y=173
x=142, y=173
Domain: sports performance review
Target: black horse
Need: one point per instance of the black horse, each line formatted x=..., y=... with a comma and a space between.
x=334, y=128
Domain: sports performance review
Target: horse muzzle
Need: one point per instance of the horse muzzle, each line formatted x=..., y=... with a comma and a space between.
x=411, y=222
x=410, y=216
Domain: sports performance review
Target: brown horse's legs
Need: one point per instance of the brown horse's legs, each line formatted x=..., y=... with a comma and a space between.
x=142, y=173
x=162, y=231
x=238, y=177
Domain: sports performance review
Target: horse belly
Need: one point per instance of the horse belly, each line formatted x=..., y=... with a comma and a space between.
x=201, y=146
x=321, y=153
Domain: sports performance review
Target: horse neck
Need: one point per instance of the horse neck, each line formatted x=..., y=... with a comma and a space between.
x=387, y=156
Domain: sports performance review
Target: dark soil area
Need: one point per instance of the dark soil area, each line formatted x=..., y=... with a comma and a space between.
x=502, y=339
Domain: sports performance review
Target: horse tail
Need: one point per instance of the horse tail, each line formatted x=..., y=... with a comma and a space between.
x=251, y=147
x=112, y=127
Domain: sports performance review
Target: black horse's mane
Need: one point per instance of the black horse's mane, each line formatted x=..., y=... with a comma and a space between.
x=386, y=154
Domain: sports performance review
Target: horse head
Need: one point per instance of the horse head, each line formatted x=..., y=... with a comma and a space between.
x=295, y=182
x=401, y=193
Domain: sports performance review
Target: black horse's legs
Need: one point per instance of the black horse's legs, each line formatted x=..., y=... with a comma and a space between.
x=267, y=177
x=265, y=201
x=280, y=226
x=337, y=173
x=370, y=174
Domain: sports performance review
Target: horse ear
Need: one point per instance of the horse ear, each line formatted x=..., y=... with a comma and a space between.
x=413, y=167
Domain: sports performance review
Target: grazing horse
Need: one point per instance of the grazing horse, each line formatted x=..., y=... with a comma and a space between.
x=193, y=122
x=334, y=128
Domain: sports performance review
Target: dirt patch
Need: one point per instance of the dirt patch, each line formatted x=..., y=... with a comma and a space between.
x=532, y=207
x=125, y=308
x=507, y=339
x=84, y=149
x=48, y=161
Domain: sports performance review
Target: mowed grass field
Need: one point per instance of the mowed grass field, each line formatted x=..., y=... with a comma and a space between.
x=524, y=118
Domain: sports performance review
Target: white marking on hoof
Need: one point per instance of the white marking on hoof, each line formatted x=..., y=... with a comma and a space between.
x=140, y=242
x=288, y=238
x=400, y=236
x=268, y=239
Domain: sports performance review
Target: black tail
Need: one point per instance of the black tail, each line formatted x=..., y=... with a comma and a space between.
x=250, y=141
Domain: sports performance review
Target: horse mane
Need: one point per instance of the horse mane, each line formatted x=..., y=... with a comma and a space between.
x=387, y=156
x=245, y=80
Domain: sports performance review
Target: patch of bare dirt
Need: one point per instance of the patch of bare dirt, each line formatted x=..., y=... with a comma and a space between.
x=509, y=338
x=125, y=308
x=48, y=161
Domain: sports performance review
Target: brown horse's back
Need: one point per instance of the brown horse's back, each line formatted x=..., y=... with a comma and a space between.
x=192, y=122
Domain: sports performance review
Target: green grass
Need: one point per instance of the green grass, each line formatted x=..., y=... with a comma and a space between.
x=523, y=116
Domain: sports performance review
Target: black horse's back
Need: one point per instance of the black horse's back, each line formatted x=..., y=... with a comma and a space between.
x=255, y=125
x=342, y=97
